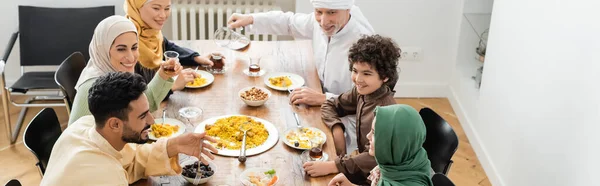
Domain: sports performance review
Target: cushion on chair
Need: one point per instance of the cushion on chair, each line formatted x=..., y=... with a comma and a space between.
x=34, y=80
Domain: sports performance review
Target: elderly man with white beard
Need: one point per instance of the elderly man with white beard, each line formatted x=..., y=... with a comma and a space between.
x=333, y=27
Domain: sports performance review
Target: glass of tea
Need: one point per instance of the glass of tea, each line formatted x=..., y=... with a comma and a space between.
x=254, y=66
x=316, y=149
x=168, y=56
x=218, y=63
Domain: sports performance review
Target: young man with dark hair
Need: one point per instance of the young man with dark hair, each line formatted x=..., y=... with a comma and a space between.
x=108, y=147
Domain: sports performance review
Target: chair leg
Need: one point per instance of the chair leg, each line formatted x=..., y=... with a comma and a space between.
x=5, y=95
x=67, y=106
x=447, y=168
x=19, y=124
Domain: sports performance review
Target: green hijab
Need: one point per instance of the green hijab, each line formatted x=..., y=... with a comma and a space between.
x=399, y=136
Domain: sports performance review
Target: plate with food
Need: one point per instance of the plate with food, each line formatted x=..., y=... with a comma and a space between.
x=167, y=129
x=259, y=176
x=261, y=136
x=283, y=81
x=205, y=79
x=299, y=138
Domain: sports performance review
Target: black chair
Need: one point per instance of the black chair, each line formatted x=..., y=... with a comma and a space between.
x=439, y=179
x=47, y=36
x=40, y=136
x=13, y=182
x=440, y=143
x=67, y=75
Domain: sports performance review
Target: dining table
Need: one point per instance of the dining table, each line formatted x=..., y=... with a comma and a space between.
x=222, y=97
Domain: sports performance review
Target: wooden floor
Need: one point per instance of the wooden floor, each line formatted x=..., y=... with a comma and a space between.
x=17, y=162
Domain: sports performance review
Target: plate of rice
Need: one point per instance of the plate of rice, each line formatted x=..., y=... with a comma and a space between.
x=261, y=136
x=169, y=129
x=204, y=80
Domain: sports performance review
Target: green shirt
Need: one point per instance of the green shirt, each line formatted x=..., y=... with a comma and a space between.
x=158, y=89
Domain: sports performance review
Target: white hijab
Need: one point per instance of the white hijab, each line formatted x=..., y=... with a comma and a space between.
x=104, y=35
x=333, y=4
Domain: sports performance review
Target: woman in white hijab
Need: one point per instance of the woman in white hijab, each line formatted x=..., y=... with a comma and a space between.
x=114, y=47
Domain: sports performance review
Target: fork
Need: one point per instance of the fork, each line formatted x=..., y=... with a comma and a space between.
x=163, y=115
x=297, y=121
x=284, y=83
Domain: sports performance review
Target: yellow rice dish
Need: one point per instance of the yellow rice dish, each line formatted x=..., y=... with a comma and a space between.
x=163, y=130
x=229, y=136
x=278, y=81
x=199, y=81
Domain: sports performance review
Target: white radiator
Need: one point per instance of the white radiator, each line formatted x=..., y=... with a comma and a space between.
x=198, y=19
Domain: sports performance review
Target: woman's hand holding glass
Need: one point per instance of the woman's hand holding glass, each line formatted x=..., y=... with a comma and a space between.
x=169, y=68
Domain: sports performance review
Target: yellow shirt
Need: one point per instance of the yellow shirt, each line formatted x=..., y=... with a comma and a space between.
x=81, y=156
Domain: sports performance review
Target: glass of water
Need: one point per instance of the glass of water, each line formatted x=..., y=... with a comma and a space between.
x=192, y=116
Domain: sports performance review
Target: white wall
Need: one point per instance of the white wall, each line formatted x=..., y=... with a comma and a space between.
x=9, y=20
x=432, y=25
x=478, y=6
x=540, y=100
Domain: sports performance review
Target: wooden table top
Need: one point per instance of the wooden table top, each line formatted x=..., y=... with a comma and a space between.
x=221, y=98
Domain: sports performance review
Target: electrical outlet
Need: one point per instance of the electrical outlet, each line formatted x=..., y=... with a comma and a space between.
x=411, y=54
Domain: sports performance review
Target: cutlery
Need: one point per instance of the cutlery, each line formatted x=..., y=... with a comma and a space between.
x=242, y=157
x=163, y=115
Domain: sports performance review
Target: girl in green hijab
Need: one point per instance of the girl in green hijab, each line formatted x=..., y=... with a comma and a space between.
x=396, y=141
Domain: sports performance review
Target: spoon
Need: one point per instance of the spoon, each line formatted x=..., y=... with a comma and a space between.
x=242, y=157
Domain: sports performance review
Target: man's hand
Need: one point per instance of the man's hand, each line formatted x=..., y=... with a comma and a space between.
x=339, y=140
x=239, y=20
x=192, y=144
x=319, y=168
x=340, y=180
x=307, y=96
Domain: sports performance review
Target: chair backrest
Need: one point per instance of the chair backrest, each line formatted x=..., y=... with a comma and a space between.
x=48, y=35
x=67, y=75
x=441, y=142
x=13, y=182
x=41, y=134
x=440, y=179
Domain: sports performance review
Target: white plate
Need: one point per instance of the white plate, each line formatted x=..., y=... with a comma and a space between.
x=270, y=142
x=297, y=81
x=170, y=121
x=291, y=144
x=245, y=179
x=206, y=75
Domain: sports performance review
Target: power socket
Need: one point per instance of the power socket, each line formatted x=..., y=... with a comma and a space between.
x=411, y=54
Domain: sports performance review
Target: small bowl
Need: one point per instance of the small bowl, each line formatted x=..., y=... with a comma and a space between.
x=192, y=160
x=254, y=103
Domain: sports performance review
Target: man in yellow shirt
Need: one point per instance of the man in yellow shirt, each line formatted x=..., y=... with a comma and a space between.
x=108, y=147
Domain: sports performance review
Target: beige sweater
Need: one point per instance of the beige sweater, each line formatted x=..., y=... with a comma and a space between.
x=81, y=156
